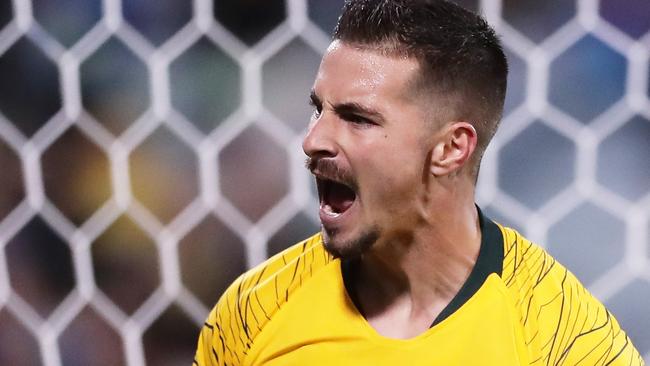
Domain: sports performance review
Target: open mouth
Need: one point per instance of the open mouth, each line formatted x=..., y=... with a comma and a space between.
x=335, y=197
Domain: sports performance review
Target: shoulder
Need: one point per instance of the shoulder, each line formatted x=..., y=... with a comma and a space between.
x=532, y=275
x=562, y=321
x=251, y=301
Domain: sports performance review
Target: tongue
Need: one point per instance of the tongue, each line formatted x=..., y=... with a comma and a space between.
x=340, y=197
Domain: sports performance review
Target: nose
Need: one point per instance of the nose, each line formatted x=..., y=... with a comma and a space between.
x=320, y=139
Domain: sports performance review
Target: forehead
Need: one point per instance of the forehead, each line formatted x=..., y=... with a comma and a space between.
x=349, y=71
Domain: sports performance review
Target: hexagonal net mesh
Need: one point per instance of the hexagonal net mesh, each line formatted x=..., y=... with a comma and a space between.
x=150, y=152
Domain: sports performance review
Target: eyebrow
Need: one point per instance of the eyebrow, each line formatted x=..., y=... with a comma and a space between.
x=351, y=108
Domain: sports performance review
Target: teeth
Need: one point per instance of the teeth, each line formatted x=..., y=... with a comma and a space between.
x=327, y=209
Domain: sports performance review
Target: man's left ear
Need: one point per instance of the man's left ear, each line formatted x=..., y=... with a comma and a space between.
x=455, y=148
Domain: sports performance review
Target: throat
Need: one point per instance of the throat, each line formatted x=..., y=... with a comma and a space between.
x=394, y=309
x=394, y=324
x=339, y=197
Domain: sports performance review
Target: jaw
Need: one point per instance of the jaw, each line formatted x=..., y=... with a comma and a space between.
x=349, y=243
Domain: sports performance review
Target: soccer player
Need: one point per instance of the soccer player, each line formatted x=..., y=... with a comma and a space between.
x=407, y=270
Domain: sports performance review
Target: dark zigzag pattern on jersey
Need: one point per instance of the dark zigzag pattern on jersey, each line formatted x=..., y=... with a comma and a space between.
x=526, y=267
x=245, y=312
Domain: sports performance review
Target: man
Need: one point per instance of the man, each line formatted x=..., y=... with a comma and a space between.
x=407, y=270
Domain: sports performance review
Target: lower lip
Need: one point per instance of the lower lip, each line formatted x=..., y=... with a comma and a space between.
x=332, y=220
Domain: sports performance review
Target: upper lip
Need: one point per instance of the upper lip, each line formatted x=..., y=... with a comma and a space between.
x=322, y=177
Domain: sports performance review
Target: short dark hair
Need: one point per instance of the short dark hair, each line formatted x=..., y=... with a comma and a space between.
x=459, y=54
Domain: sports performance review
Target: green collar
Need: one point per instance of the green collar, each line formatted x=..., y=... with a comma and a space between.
x=489, y=260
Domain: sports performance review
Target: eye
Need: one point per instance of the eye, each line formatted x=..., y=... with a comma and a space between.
x=317, y=107
x=358, y=120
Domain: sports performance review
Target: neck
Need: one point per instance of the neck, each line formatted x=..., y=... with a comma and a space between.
x=409, y=279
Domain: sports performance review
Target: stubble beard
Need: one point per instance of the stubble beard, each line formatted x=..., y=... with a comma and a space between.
x=349, y=249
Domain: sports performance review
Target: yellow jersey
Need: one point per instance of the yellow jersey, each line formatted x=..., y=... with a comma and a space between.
x=518, y=307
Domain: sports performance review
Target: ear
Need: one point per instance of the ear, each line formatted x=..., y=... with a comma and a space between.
x=454, y=149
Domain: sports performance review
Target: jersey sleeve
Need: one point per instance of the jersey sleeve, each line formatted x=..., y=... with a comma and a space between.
x=205, y=355
x=220, y=339
x=587, y=332
x=251, y=301
x=564, y=324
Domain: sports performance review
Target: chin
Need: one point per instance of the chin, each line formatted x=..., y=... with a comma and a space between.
x=345, y=248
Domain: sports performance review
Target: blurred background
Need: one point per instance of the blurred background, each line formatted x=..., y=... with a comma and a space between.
x=150, y=153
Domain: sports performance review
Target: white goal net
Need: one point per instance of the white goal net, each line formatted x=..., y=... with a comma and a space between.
x=150, y=152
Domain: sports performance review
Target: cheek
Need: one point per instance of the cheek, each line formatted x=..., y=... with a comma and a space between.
x=393, y=168
x=396, y=180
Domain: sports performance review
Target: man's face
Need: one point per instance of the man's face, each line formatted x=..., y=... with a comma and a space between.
x=368, y=146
